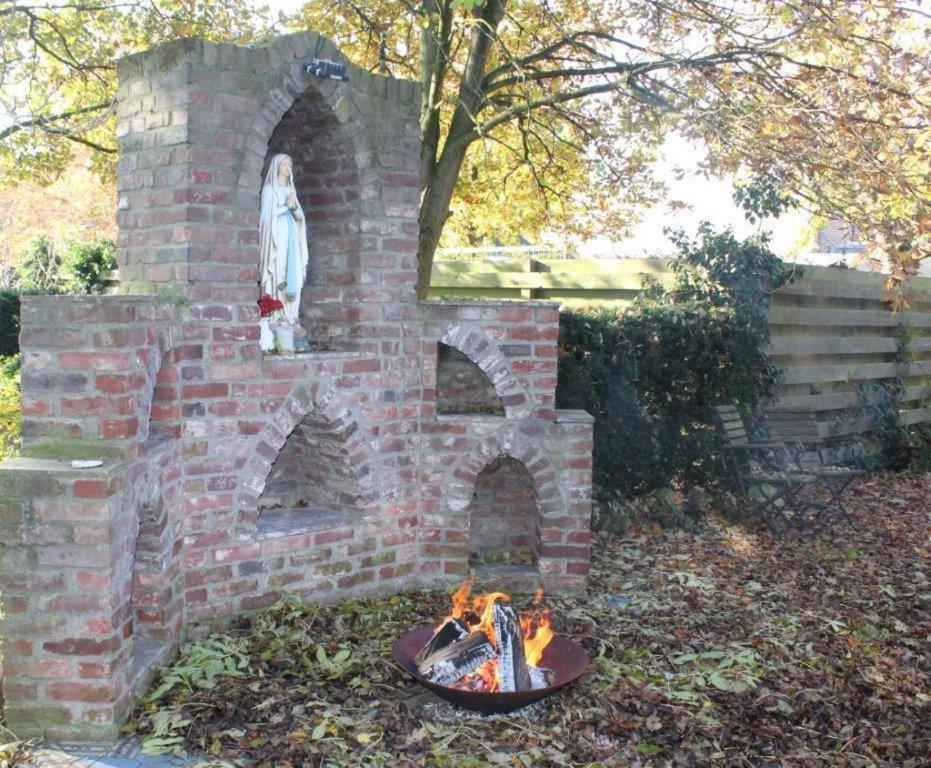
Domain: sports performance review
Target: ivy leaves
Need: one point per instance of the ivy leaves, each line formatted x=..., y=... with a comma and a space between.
x=653, y=372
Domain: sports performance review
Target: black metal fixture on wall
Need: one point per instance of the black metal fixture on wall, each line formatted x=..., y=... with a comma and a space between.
x=325, y=68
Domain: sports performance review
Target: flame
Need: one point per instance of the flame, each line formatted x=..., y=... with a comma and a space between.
x=537, y=635
x=484, y=607
x=484, y=678
x=461, y=600
x=477, y=613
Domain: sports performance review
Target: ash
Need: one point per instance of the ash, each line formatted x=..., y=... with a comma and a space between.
x=447, y=713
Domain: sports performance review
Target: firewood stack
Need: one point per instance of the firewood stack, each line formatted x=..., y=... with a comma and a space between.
x=479, y=659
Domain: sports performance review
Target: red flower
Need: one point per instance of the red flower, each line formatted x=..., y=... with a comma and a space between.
x=267, y=305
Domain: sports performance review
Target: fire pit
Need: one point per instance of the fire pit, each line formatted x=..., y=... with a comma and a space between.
x=487, y=657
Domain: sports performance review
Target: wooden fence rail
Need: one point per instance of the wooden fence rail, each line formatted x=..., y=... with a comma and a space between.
x=832, y=331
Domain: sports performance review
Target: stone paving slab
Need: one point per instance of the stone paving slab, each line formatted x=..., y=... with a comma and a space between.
x=125, y=753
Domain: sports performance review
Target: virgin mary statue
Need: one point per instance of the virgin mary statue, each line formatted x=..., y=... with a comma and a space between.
x=283, y=238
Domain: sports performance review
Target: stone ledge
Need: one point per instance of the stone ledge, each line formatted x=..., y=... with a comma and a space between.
x=148, y=655
x=278, y=523
x=101, y=298
x=58, y=466
x=573, y=416
x=479, y=417
x=313, y=354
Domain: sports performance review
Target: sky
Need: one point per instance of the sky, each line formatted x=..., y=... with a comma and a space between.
x=708, y=199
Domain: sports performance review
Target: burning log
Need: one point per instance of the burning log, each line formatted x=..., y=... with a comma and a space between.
x=456, y=660
x=513, y=673
x=486, y=646
x=451, y=631
x=541, y=677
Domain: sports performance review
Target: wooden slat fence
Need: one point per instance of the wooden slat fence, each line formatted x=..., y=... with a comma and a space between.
x=832, y=331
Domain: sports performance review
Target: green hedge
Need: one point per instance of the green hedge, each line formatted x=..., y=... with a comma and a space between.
x=10, y=407
x=651, y=374
x=9, y=323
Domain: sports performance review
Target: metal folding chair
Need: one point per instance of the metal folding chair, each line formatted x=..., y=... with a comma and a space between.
x=772, y=479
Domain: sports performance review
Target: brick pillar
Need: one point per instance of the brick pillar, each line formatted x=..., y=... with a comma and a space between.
x=65, y=581
x=565, y=533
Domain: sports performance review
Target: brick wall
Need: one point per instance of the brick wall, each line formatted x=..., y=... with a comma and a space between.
x=201, y=431
x=514, y=345
x=66, y=572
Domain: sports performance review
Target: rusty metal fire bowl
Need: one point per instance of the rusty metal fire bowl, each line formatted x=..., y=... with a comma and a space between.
x=565, y=657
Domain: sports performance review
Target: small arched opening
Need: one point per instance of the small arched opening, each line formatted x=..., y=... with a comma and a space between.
x=504, y=518
x=164, y=408
x=312, y=482
x=462, y=387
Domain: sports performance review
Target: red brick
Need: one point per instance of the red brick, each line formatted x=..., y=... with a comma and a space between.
x=77, y=646
x=118, y=429
x=577, y=553
x=32, y=407
x=92, y=670
x=43, y=668
x=198, y=391
x=95, y=489
x=95, y=361
x=80, y=692
x=361, y=366
x=329, y=537
x=242, y=552
x=355, y=579
x=13, y=604
x=93, y=581
x=16, y=648
x=17, y=691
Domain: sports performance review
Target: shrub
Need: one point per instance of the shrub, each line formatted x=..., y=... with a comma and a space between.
x=40, y=269
x=9, y=323
x=652, y=374
x=919, y=438
x=71, y=267
x=90, y=264
x=10, y=408
x=84, y=268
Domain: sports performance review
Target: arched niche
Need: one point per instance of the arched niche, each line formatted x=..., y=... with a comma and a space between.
x=165, y=412
x=462, y=387
x=327, y=180
x=158, y=405
x=312, y=482
x=504, y=515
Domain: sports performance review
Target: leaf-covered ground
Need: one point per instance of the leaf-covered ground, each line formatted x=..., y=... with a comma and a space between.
x=721, y=647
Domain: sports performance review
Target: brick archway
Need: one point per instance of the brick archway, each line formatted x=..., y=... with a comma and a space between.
x=160, y=406
x=341, y=423
x=293, y=83
x=460, y=483
x=338, y=177
x=484, y=353
x=460, y=486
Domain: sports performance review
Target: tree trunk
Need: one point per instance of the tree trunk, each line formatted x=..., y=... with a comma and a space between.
x=434, y=210
x=438, y=176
